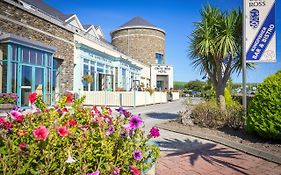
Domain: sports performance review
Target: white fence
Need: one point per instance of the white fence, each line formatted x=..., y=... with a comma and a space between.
x=126, y=98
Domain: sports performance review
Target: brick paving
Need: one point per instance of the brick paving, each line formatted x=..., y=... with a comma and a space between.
x=211, y=159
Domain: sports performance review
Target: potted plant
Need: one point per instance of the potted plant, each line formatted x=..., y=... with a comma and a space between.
x=88, y=78
x=77, y=140
x=7, y=101
x=150, y=90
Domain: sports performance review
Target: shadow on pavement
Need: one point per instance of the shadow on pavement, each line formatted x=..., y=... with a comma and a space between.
x=163, y=116
x=193, y=150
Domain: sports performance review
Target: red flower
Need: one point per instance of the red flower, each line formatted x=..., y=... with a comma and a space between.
x=64, y=110
x=22, y=145
x=69, y=98
x=32, y=97
x=134, y=170
x=2, y=120
x=41, y=133
x=71, y=122
x=21, y=133
x=8, y=125
x=62, y=131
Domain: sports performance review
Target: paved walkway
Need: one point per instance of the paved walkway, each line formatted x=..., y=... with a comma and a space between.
x=186, y=155
x=194, y=157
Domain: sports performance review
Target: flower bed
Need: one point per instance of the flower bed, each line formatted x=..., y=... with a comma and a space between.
x=7, y=101
x=74, y=140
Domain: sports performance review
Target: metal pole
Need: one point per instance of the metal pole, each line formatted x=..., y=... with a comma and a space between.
x=244, y=99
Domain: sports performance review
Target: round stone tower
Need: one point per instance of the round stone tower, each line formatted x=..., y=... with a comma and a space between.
x=140, y=40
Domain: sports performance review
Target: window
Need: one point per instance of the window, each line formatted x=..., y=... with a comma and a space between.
x=56, y=76
x=89, y=69
x=159, y=58
x=124, y=78
x=159, y=85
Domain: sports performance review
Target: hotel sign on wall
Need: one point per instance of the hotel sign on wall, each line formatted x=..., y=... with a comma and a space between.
x=162, y=69
x=260, y=30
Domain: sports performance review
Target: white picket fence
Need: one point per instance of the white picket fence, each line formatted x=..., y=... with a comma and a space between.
x=128, y=99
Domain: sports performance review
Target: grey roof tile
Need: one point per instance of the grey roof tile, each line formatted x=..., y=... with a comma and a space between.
x=44, y=7
x=137, y=21
x=87, y=26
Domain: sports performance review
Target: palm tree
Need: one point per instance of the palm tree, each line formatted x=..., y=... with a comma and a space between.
x=216, y=47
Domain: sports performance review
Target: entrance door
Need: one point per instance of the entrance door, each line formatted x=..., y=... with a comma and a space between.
x=32, y=80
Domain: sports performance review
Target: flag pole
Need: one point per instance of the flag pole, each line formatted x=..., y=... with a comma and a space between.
x=244, y=98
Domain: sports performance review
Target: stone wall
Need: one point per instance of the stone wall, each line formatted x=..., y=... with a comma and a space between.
x=140, y=44
x=27, y=25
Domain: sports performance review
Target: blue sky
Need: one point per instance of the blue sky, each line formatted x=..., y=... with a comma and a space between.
x=176, y=17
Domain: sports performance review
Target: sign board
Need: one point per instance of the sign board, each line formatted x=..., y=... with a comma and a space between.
x=260, y=30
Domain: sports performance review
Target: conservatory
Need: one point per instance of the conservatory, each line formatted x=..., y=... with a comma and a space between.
x=26, y=66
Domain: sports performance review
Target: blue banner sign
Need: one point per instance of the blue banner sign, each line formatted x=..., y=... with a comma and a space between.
x=260, y=31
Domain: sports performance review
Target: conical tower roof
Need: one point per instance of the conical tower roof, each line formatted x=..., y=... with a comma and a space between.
x=138, y=22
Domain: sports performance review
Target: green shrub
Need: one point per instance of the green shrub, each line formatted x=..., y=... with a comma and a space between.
x=264, y=114
x=208, y=114
x=227, y=96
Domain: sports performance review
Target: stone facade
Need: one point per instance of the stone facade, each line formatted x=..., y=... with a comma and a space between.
x=16, y=21
x=140, y=43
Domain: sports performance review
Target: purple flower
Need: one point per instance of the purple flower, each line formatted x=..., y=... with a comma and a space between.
x=120, y=110
x=135, y=122
x=94, y=173
x=110, y=130
x=137, y=155
x=115, y=171
x=83, y=127
x=154, y=132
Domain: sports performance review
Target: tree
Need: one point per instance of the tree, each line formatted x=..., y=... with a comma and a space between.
x=195, y=85
x=216, y=47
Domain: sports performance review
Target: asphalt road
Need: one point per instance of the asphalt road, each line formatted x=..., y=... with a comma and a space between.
x=154, y=114
x=168, y=141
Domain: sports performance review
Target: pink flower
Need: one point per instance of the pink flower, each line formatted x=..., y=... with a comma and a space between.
x=127, y=127
x=32, y=97
x=22, y=145
x=135, y=122
x=41, y=133
x=94, y=173
x=127, y=114
x=62, y=131
x=17, y=116
x=134, y=170
x=115, y=171
x=154, y=132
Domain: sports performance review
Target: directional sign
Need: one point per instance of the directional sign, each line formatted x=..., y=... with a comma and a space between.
x=260, y=30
